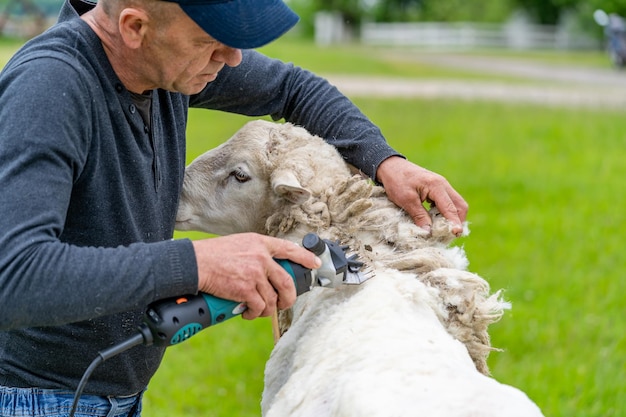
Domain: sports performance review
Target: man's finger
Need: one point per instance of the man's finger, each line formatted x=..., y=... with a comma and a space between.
x=454, y=211
x=420, y=216
x=283, y=286
x=255, y=306
x=285, y=249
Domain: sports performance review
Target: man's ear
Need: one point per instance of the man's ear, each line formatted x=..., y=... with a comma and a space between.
x=286, y=185
x=133, y=24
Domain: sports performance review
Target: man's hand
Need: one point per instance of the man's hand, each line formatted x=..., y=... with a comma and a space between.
x=409, y=186
x=241, y=268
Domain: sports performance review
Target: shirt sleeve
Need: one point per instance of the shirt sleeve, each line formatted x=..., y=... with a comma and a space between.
x=263, y=86
x=44, y=280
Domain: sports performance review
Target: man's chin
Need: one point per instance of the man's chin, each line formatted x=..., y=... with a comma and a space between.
x=190, y=89
x=195, y=86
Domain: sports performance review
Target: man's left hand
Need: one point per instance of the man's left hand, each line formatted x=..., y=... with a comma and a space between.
x=409, y=186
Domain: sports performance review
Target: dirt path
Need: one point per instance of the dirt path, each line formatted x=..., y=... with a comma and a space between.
x=545, y=84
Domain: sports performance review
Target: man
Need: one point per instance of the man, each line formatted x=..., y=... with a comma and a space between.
x=92, y=149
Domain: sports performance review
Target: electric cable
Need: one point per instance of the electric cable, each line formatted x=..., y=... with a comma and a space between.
x=142, y=337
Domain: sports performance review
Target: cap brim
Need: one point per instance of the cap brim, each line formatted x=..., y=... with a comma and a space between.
x=242, y=24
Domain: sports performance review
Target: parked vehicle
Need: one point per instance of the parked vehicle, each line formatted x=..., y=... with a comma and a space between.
x=615, y=33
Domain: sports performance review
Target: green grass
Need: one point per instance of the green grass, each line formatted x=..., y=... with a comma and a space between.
x=401, y=62
x=546, y=195
x=356, y=60
x=8, y=47
x=217, y=373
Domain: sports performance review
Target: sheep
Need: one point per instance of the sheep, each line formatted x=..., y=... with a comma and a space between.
x=413, y=340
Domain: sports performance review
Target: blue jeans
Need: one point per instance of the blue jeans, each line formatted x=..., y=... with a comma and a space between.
x=36, y=402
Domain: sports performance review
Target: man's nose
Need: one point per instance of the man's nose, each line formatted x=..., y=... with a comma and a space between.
x=229, y=56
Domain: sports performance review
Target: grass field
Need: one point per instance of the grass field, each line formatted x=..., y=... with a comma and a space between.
x=547, y=197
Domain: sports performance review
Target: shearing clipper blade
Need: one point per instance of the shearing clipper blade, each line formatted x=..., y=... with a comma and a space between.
x=354, y=274
x=337, y=268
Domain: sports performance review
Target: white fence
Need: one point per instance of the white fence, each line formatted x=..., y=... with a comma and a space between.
x=516, y=34
x=473, y=35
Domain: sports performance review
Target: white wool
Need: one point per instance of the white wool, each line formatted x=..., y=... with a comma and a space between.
x=457, y=258
x=369, y=352
x=411, y=341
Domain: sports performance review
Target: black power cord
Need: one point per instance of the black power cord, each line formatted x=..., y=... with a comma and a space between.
x=142, y=337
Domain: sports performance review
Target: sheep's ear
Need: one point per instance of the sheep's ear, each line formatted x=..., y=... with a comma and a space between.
x=286, y=185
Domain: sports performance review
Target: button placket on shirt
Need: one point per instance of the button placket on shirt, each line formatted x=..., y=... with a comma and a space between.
x=155, y=163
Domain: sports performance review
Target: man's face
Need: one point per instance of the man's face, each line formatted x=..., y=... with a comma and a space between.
x=182, y=57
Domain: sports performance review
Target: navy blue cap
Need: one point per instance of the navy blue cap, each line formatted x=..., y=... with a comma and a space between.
x=242, y=24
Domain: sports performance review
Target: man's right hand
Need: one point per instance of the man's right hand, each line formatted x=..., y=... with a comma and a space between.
x=241, y=267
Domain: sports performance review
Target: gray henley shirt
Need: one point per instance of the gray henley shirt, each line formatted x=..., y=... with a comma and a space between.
x=89, y=196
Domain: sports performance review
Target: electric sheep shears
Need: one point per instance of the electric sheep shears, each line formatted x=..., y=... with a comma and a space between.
x=173, y=320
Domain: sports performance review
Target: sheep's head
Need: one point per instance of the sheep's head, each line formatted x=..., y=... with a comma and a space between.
x=235, y=187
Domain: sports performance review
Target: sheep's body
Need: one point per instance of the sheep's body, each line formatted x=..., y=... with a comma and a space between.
x=381, y=351
x=413, y=340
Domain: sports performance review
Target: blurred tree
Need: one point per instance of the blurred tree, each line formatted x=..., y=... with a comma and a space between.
x=550, y=11
x=394, y=10
x=609, y=6
x=352, y=10
x=467, y=10
x=24, y=8
x=540, y=11
x=547, y=11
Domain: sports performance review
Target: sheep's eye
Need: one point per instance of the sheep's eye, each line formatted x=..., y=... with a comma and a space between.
x=240, y=176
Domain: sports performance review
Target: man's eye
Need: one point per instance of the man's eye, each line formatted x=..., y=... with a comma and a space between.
x=240, y=176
